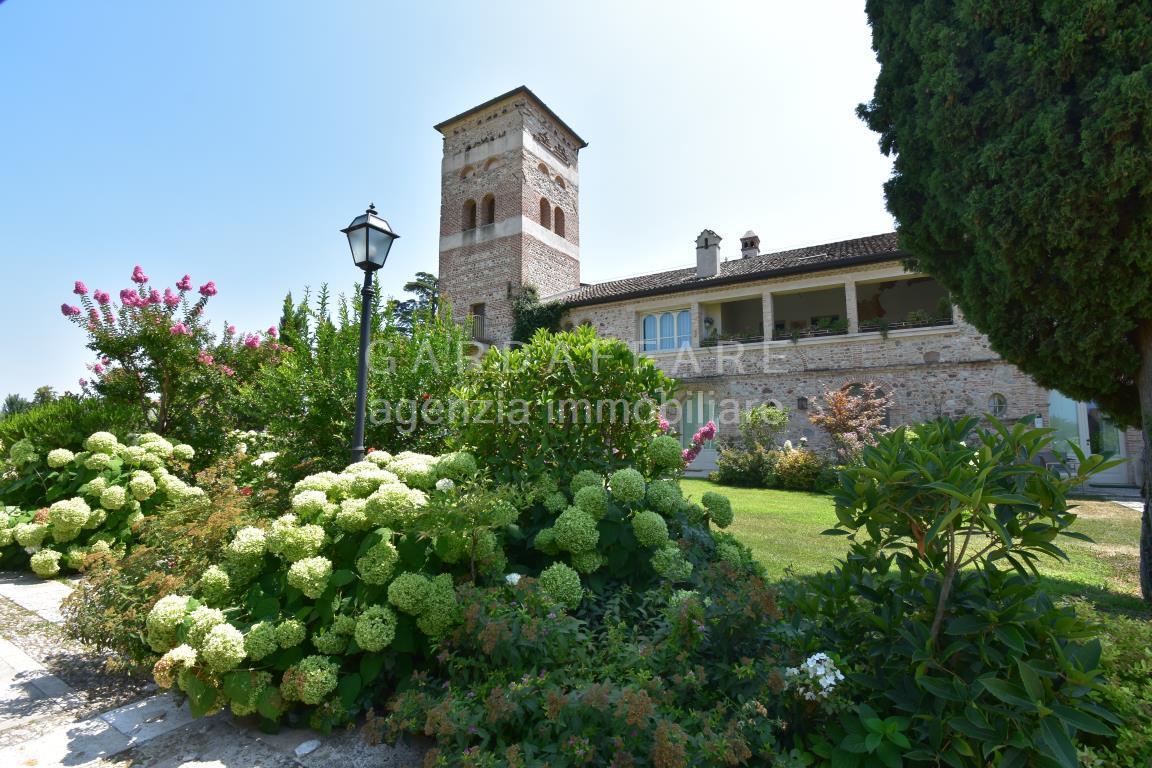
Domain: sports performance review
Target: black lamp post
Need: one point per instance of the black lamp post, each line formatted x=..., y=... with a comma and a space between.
x=370, y=238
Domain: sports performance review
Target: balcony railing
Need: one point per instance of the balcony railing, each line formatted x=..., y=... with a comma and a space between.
x=872, y=326
x=716, y=341
x=808, y=333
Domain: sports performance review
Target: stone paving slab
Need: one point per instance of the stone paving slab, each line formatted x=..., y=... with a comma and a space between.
x=47, y=723
x=31, y=592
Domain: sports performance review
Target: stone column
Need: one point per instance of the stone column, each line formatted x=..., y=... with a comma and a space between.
x=766, y=304
x=850, y=301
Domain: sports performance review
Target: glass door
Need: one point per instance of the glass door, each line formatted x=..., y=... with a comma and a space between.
x=1086, y=425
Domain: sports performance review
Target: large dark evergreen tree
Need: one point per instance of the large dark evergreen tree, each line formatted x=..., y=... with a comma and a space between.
x=1022, y=137
x=425, y=288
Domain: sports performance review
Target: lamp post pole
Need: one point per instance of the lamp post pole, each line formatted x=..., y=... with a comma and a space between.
x=370, y=238
x=367, y=295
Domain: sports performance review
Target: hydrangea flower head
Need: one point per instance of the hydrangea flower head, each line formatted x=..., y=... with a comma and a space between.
x=141, y=486
x=576, y=530
x=409, y=591
x=30, y=535
x=46, y=563
x=593, y=500
x=395, y=505
x=585, y=478
x=650, y=528
x=375, y=628
x=351, y=517
x=670, y=563
x=61, y=457
x=460, y=465
x=377, y=564
x=310, y=575
x=290, y=633
x=562, y=585
x=172, y=663
x=223, y=648
x=587, y=562
x=102, y=442
x=113, y=497
x=719, y=508
x=183, y=452
x=664, y=496
x=260, y=640
x=200, y=623
x=627, y=485
x=164, y=620
x=441, y=611
x=69, y=513
x=664, y=451
x=310, y=681
x=214, y=585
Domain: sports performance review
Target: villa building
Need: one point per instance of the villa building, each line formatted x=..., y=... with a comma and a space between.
x=779, y=327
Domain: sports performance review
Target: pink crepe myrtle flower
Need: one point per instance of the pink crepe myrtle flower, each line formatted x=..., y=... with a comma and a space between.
x=204, y=357
x=170, y=299
x=226, y=370
x=208, y=289
x=230, y=330
x=272, y=331
x=97, y=369
x=130, y=298
x=80, y=289
x=251, y=341
x=184, y=283
x=688, y=455
x=102, y=297
x=154, y=296
x=93, y=315
x=707, y=432
x=69, y=310
x=138, y=275
x=180, y=330
x=83, y=382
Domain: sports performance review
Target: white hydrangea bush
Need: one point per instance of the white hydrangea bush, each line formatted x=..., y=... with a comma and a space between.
x=97, y=495
x=290, y=609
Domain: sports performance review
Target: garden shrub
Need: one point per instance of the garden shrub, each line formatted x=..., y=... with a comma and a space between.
x=1126, y=664
x=562, y=403
x=951, y=652
x=347, y=595
x=799, y=469
x=66, y=422
x=170, y=551
x=156, y=353
x=304, y=407
x=746, y=467
x=63, y=505
x=668, y=677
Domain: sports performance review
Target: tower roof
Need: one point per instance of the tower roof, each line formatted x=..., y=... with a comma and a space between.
x=521, y=90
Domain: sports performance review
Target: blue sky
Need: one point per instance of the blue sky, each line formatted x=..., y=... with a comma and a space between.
x=234, y=140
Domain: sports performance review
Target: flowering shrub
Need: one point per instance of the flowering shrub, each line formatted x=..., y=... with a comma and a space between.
x=93, y=499
x=852, y=416
x=155, y=352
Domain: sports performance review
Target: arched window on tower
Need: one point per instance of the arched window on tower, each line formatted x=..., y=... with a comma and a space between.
x=469, y=221
x=560, y=181
x=545, y=213
x=558, y=222
x=488, y=210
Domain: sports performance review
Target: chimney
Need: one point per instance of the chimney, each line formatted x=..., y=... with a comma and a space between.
x=707, y=254
x=749, y=245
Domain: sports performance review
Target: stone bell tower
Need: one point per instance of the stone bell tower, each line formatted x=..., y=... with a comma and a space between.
x=509, y=209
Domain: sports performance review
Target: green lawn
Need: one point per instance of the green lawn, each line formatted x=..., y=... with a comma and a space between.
x=782, y=528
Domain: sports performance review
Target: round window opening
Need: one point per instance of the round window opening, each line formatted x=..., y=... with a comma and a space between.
x=997, y=405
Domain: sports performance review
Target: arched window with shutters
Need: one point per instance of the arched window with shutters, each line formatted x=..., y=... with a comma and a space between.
x=488, y=210
x=469, y=221
x=545, y=213
x=558, y=221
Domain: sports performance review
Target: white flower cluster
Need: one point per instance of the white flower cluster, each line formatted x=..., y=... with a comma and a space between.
x=815, y=679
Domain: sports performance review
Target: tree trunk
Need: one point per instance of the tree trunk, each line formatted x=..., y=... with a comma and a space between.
x=1144, y=386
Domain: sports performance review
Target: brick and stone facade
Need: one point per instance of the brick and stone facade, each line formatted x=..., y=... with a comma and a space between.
x=509, y=210
x=806, y=318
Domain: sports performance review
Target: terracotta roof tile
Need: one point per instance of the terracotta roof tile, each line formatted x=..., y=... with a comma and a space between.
x=813, y=258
